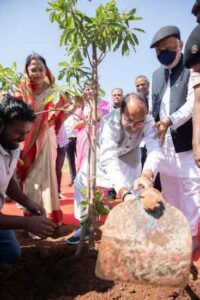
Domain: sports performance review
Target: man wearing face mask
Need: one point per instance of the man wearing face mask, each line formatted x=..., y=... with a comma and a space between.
x=172, y=104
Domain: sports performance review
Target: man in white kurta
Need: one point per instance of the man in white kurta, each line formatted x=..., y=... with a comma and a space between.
x=172, y=106
x=119, y=157
x=192, y=61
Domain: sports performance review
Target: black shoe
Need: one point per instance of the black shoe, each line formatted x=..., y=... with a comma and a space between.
x=8, y=200
x=112, y=193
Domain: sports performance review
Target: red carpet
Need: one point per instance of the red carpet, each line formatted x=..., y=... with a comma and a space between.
x=67, y=207
x=67, y=204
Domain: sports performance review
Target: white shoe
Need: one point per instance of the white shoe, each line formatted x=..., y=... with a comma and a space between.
x=19, y=206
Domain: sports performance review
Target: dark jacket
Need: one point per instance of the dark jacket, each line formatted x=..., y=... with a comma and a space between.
x=179, y=78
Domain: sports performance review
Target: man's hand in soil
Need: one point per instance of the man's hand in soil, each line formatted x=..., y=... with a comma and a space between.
x=35, y=208
x=40, y=226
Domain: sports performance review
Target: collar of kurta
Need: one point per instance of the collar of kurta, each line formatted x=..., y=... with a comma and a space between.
x=12, y=153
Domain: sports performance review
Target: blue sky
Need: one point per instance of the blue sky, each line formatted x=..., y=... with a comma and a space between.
x=25, y=27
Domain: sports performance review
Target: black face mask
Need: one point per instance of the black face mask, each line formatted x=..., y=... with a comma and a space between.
x=166, y=57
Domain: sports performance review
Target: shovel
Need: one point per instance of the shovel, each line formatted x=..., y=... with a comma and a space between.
x=152, y=246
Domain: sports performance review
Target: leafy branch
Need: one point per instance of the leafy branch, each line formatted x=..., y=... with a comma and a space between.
x=102, y=207
x=10, y=78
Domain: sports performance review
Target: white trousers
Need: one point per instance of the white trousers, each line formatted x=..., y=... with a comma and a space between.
x=102, y=180
x=180, y=180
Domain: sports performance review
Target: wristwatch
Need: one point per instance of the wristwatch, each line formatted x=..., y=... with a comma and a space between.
x=127, y=193
x=135, y=193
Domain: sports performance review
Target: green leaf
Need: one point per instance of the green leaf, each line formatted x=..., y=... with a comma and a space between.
x=84, y=203
x=120, y=39
x=139, y=29
x=63, y=64
x=84, y=191
x=61, y=75
x=50, y=98
x=101, y=93
x=14, y=65
x=125, y=48
x=135, y=39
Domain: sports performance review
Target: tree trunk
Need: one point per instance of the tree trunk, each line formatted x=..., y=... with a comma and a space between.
x=84, y=225
x=92, y=215
x=91, y=173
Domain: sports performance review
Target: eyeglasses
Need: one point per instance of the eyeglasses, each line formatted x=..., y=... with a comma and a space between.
x=131, y=122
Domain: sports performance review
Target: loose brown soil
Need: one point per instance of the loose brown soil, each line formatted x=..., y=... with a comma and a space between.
x=49, y=270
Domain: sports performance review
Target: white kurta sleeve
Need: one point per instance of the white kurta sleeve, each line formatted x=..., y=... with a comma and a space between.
x=154, y=151
x=195, y=78
x=109, y=155
x=184, y=113
x=150, y=99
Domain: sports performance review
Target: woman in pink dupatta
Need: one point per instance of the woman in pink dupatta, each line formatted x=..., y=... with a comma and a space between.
x=36, y=169
x=82, y=144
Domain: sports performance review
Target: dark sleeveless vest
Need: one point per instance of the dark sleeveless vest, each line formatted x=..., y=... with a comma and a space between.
x=179, y=78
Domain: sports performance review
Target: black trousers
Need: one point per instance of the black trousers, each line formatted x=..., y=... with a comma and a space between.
x=70, y=151
x=143, y=155
x=71, y=154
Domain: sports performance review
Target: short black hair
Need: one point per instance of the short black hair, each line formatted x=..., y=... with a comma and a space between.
x=131, y=96
x=12, y=109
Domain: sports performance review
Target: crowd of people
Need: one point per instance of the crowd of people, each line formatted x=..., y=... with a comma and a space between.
x=152, y=131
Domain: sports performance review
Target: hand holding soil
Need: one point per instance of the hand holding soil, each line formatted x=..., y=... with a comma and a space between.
x=40, y=226
x=150, y=199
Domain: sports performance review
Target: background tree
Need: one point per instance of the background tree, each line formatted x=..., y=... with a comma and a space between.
x=88, y=40
x=9, y=78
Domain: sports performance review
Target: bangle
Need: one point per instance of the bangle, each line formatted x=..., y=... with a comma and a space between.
x=127, y=193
